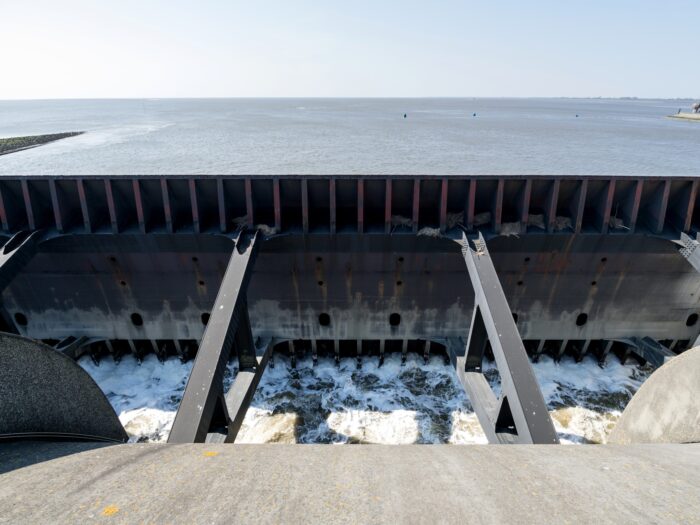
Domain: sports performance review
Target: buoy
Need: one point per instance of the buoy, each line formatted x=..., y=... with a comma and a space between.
x=404, y=115
x=576, y=115
x=474, y=115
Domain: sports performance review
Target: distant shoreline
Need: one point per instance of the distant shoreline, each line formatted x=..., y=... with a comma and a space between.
x=15, y=144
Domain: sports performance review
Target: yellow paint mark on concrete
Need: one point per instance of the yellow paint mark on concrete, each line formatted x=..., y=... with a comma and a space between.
x=110, y=510
x=210, y=454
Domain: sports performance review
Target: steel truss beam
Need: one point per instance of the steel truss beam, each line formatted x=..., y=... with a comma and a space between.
x=205, y=412
x=520, y=414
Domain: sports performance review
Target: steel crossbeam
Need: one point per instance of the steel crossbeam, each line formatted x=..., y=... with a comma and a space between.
x=520, y=414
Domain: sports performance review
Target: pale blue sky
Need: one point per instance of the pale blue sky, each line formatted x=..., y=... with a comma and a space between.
x=289, y=48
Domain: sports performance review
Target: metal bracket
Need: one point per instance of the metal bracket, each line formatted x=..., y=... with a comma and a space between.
x=520, y=415
x=649, y=349
x=688, y=249
x=205, y=413
x=74, y=347
x=16, y=253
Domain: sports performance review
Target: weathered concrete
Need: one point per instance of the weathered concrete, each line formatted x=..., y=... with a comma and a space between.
x=666, y=409
x=353, y=484
x=45, y=393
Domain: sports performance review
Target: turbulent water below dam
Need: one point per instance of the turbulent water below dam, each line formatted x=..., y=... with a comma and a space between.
x=416, y=402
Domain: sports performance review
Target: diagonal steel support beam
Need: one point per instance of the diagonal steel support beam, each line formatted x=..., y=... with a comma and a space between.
x=520, y=414
x=203, y=411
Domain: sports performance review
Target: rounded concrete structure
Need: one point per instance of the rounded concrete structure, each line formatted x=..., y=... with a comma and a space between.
x=666, y=409
x=43, y=393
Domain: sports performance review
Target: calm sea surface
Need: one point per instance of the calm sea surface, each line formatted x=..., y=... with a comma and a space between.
x=324, y=136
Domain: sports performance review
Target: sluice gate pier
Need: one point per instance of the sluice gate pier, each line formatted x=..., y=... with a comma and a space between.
x=214, y=268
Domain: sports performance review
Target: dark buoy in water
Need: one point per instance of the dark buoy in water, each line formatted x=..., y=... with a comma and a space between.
x=576, y=115
x=474, y=115
x=404, y=115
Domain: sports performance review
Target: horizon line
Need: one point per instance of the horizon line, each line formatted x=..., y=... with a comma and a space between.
x=438, y=97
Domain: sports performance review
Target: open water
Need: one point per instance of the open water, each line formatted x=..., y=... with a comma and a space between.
x=351, y=136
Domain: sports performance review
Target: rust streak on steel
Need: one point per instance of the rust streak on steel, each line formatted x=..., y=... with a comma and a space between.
x=360, y=206
x=552, y=201
x=223, y=219
x=416, y=204
x=498, y=206
x=194, y=205
x=331, y=196
x=471, y=202
x=305, y=205
x=167, y=211
x=443, y=206
x=139, y=205
x=580, y=204
x=28, y=205
x=276, y=203
x=56, y=205
x=249, y=201
x=84, y=206
x=387, y=207
x=111, y=206
x=636, y=200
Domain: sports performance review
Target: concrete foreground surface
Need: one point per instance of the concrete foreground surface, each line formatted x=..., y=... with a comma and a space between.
x=149, y=483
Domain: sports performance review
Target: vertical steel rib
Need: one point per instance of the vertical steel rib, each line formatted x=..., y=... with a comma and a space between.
x=443, y=205
x=360, y=206
x=28, y=204
x=221, y=198
x=140, y=212
x=416, y=204
x=58, y=218
x=167, y=209
x=332, y=205
x=111, y=206
x=194, y=205
x=84, y=206
x=387, y=206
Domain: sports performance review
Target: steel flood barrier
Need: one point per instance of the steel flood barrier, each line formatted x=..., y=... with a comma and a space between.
x=216, y=266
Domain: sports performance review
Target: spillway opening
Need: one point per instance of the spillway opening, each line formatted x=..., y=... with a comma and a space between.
x=357, y=397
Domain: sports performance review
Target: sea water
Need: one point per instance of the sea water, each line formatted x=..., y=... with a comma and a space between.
x=351, y=136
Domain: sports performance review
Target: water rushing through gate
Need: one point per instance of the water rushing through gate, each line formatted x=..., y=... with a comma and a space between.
x=392, y=404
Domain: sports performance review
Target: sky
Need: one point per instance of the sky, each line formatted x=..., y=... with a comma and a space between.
x=348, y=48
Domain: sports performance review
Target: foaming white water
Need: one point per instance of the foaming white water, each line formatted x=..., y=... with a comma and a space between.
x=393, y=404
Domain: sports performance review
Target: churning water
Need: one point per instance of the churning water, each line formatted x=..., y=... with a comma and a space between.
x=367, y=136
x=392, y=404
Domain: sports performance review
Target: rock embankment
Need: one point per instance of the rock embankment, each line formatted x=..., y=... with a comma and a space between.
x=13, y=144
